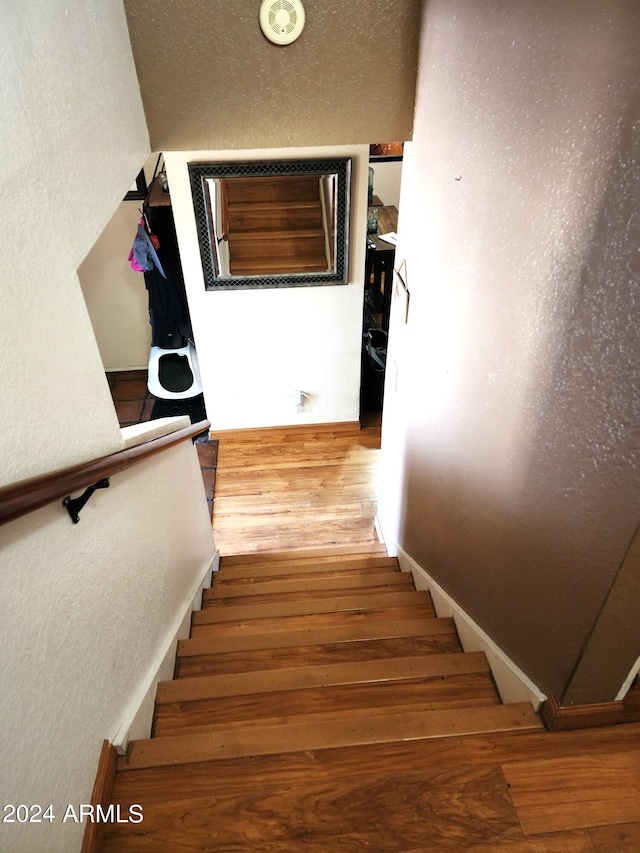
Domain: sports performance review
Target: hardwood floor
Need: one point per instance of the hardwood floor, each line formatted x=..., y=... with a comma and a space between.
x=278, y=490
x=452, y=794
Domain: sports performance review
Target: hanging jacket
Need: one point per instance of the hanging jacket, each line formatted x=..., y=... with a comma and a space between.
x=168, y=309
x=143, y=257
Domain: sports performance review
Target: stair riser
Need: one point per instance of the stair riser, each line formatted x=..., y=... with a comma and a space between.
x=372, y=629
x=375, y=728
x=345, y=603
x=311, y=621
x=222, y=598
x=300, y=678
x=252, y=218
x=263, y=573
x=282, y=189
x=310, y=585
x=216, y=664
x=478, y=687
x=357, y=553
x=338, y=717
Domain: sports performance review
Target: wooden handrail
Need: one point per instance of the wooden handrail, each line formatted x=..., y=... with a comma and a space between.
x=18, y=499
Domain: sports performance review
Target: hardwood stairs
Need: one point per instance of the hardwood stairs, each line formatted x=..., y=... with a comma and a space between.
x=294, y=655
x=275, y=225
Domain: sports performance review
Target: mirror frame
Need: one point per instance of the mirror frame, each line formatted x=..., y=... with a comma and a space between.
x=200, y=172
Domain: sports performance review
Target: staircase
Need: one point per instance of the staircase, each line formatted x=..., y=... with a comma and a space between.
x=298, y=661
x=275, y=225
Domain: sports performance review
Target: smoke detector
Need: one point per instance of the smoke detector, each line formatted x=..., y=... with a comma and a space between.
x=281, y=21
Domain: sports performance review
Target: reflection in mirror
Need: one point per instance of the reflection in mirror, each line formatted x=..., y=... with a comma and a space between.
x=272, y=224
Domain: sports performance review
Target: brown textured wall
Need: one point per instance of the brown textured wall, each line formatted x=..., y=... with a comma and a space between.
x=510, y=436
x=210, y=79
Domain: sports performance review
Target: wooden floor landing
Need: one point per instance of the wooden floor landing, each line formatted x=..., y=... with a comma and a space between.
x=278, y=490
x=531, y=792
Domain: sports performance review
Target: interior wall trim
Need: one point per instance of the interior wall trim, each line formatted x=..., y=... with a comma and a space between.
x=249, y=432
x=100, y=796
x=138, y=716
x=512, y=683
x=380, y=535
x=558, y=717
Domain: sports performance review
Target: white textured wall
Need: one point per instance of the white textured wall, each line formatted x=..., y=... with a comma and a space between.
x=386, y=181
x=257, y=347
x=72, y=139
x=116, y=297
x=510, y=429
x=85, y=609
x=87, y=612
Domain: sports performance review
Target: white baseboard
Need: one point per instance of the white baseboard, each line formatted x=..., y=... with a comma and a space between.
x=137, y=719
x=380, y=535
x=512, y=683
x=626, y=684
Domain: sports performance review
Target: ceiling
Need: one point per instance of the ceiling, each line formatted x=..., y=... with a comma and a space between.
x=210, y=79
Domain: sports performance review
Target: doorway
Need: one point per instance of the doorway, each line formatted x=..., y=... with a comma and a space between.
x=385, y=171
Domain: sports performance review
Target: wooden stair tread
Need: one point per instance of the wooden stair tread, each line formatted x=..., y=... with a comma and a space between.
x=231, y=613
x=443, y=692
x=292, y=589
x=370, y=629
x=254, y=234
x=374, y=761
x=274, y=204
x=280, y=569
x=226, y=602
x=264, y=266
x=297, y=678
x=284, y=189
x=286, y=252
x=295, y=737
x=296, y=568
x=308, y=574
x=269, y=586
x=337, y=716
x=282, y=217
x=331, y=652
x=310, y=620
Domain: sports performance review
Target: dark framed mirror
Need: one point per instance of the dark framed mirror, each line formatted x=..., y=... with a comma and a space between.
x=273, y=223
